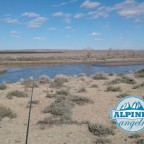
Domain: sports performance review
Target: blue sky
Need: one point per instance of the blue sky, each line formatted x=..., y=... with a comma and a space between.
x=71, y=24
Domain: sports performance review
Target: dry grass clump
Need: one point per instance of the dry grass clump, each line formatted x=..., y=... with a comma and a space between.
x=59, y=81
x=100, y=130
x=3, y=87
x=6, y=112
x=111, y=74
x=50, y=95
x=99, y=76
x=139, y=86
x=64, y=92
x=123, y=79
x=140, y=74
x=2, y=70
x=44, y=79
x=113, y=89
x=82, y=75
x=61, y=108
x=80, y=100
x=16, y=93
x=102, y=141
x=94, y=86
x=50, y=121
x=134, y=136
x=82, y=89
x=29, y=83
x=122, y=95
x=34, y=102
x=140, y=141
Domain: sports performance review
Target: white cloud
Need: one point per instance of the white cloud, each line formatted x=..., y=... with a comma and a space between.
x=15, y=34
x=39, y=38
x=98, y=39
x=121, y=38
x=106, y=26
x=37, y=22
x=10, y=20
x=58, y=14
x=68, y=28
x=102, y=11
x=132, y=11
x=66, y=16
x=59, y=5
x=89, y=5
x=95, y=34
x=52, y=29
x=128, y=9
x=61, y=14
x=30, y=14
x=67, y=20
x=79, y=15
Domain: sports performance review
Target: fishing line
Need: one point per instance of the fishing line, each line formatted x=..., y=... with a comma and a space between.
x=29, y=115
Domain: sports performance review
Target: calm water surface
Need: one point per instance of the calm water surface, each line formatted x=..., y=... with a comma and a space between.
x=15, y=73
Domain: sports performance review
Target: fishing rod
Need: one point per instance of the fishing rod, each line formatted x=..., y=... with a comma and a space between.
x=30, y=107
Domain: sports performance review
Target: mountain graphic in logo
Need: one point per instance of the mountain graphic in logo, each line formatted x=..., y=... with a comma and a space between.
x=134, y=106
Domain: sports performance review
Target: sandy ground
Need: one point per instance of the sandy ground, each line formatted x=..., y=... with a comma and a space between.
x=13, y=131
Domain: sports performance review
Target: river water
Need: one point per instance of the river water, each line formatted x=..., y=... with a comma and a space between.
x=16, y=73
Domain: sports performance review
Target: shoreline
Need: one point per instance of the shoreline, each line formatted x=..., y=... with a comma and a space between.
x=110, y=62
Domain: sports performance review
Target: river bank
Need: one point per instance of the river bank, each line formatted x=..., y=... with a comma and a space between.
x=113, y=57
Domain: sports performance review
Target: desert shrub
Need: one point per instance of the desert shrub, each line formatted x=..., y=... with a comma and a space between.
x=94, y=86
x=61, y=108
x=140, y=141
x=63, y=92
x=2, y=70
x=100, y=130
x=111, y=74
x=127, y=80
x=82, y=75
x=122, y=95
x=99, y=76
x=34, y=102
x=44, y=79
x=6, y=112
x=29, y=83
x=120, y=75
x=139, y=86
x=113, y=89
x=82, y=89
x=134, y=136
x=16, y=93
x=50, y=95
x=3, y=86
x=140, y=74
x=115, y=81
x=140, y=71
x=50, y=121
x=80, y=100
x=123, y=79
x=59, y=81
x=102, y=141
